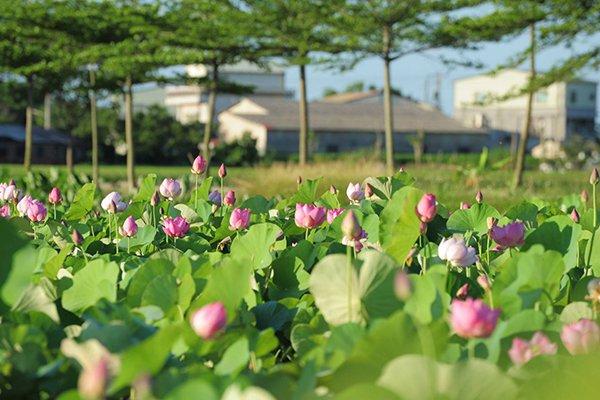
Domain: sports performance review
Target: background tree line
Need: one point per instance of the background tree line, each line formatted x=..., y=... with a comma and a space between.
x=88, y=51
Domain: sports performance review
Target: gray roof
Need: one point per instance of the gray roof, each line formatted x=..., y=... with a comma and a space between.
x=409, y=116
x=16, y=133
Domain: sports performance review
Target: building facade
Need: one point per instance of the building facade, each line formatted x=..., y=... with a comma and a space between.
x=49, y=146
x=559, y=110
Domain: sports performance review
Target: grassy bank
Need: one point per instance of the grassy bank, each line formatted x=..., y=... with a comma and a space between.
x=451, y=183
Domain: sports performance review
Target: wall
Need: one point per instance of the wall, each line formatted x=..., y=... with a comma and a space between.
x=233, y=127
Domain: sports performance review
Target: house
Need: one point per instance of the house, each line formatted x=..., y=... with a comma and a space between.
x=189, y=103
x=342, y=125
x=49, y=145
x=559, y=110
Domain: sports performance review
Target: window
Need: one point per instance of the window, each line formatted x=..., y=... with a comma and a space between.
x=332, y=148
x=573, y=97
x=541, y=96
x=593, y=96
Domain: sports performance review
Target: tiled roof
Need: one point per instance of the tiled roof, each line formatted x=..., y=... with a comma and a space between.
x=16, y=133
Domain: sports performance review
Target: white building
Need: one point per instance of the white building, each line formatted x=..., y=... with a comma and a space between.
x=189, y=103
x=560, y=110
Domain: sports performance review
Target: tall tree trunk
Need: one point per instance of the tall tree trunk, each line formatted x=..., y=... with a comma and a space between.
x=47, y=111
x=94, y=127
x=129, y=133
x=28, y=125
x=69, y=156
x=387, y=103
x=212, y=99
x=520, y=161
x=303, y=139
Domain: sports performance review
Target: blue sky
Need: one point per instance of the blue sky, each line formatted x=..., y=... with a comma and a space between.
x=410, y=73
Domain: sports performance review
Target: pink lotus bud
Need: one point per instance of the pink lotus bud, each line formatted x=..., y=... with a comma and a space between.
x=356, y=241
x=472, y=318
x=299, y=180
x=240, y=218
x=76, y=237
x=215, y=197
x=491, y=222
x=175, y=227
x=8, y=192
x=402, y=285
x=581, y=337
x=368, y=191
x=170, y=188
x=93, y=380
x=209, y=320
x=333, y=190
x=350, y=226
x=199, y=165
x=112, y=203
x=464, y=205
x=222, y=171
x=309, y=216
x=5, y=211
x=333, y=214
x=575, y=216
x=510, y=235
x=479, y=197
x=594, y=177
x=355, y=193
x=584, y=196
x=522, y=351
x=155, y=199
x=455, y=251
x=427, y=208
x=484, y=282
x=54, y=197
x=24, y=204
x=462, y=292
x=229, y=199
x=129, y=227
x=36, y=211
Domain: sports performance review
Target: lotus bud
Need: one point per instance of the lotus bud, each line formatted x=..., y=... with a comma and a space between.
x=299, y=180
x=401, y=170
x=479, y=197
x=402, y=285
x=464, y=205
x=112, y=203
x=222, y=171
x=593, y=288
x=215, y=198
x=12, y=182
x=129, y=227
x=54, y=197
x=581, y=337
x=456, y=252
x=350, y=226
x=594, y=177
x=354, y=192
x=199, y=165
x=510, y=235
x=5, y=211
x=240, y=218
x=575, y=216
x=170, y=188
x=491, y=222
x=93, y=380
x=368, y=191
x=76, y=237
x=155, y=199
x=333, y=190
x=209, y=320
x=472, y=318
x=36, y=211
x=462, y=292
x=484, y=282
x=427, y=208
x=229, y=199
x=584, y=196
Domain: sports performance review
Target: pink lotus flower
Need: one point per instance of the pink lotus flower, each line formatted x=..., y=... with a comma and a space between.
x=170, y=188
x=93, y=379
x=24, y=204
x=229, y=199
x=5, y=211
x=473, y=318
x=8, y=192
x=355, y=193
x=129, y=227
x=510, y=235
x=581, y=337
x=333, y=214
x=222, y=171
x=54, y=197
x=402, y=285
x=215, y=197
x=309, y=216
x=112, y=203
x=209, y=320
x=455, y=251
x=427, y=208
x=36, y=211
x=199, y=165
x=522, y=351
x=175, y=227
x=240, y=218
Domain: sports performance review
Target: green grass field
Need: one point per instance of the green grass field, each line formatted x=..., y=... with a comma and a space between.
x=452, y=184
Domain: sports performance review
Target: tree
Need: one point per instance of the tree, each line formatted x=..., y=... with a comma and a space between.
x=294, y=29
